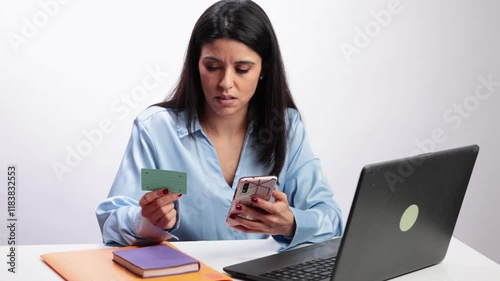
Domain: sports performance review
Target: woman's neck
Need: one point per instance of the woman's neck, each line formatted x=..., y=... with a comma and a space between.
x=214, y=124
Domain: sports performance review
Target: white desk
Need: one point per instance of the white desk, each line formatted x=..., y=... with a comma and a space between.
x=461, y=262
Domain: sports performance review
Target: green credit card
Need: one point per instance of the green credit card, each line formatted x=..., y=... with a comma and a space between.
x=152, y=179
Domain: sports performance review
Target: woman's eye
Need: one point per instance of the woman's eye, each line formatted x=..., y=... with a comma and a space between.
x=241, y=71
x=211, y=67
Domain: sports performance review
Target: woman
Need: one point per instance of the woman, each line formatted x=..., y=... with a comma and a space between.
x=231, y=115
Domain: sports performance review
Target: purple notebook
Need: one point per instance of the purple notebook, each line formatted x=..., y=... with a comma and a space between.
x=158, y=260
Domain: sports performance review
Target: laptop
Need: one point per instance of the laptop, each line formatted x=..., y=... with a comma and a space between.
x=401, y=220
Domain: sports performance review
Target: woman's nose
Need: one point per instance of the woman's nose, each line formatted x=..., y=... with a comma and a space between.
x=227, y=82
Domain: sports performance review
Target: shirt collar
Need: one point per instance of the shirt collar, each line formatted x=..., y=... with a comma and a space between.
x=182, y=129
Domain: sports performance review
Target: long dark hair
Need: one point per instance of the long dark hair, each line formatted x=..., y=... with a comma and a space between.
x=244, y=21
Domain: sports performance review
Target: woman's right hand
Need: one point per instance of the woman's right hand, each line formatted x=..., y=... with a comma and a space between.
x=158, y=208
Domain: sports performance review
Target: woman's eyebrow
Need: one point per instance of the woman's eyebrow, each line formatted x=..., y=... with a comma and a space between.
x=214, y=59
x=245, y=62
x=210, y=58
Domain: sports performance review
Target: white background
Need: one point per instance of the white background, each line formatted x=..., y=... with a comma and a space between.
x=66, y=68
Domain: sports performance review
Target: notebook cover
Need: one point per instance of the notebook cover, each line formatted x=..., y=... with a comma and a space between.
x=155, y=257
x=97, y=264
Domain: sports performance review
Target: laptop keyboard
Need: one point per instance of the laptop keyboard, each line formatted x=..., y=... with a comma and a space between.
x=311, y=270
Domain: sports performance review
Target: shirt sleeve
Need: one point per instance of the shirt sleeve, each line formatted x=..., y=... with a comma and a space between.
x=317, y=214
x=119, y=216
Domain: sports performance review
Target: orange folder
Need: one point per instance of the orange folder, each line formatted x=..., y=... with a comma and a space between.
x=97, y=264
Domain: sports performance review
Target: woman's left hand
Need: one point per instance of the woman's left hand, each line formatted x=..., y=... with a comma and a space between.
x=273, y=218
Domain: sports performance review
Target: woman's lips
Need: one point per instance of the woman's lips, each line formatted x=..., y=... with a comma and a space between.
x=225, y=100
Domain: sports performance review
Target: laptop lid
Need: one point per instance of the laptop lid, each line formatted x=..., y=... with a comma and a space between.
x=402, y=218
x=404, y=214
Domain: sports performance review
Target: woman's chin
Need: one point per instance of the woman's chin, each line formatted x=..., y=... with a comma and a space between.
x=227, y=111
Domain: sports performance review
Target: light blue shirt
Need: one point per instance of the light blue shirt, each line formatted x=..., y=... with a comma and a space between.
x=160, y=140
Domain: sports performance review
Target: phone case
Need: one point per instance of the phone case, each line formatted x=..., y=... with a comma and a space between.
x=258, y=186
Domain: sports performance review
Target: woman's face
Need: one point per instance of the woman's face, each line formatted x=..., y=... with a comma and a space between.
x=229, y=73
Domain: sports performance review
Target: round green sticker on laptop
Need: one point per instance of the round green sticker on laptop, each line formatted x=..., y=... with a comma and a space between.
x=409, y=218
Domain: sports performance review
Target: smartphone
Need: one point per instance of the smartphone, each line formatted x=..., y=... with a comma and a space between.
x=259, y=186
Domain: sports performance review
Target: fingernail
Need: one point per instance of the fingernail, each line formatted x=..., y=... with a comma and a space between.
x=179, y=195
x=165, y=191
x=232, y=216
x=255, y=200
x=238, y=207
